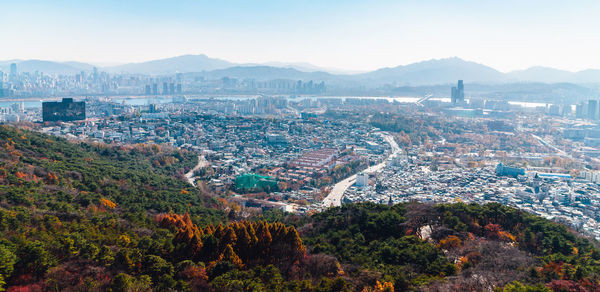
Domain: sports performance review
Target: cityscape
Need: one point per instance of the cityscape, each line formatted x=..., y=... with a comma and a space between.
x=372, y=146
x=319, y=152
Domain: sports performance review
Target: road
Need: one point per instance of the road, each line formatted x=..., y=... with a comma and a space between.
x=558, y=151
x=202, y=162
x=335, y=196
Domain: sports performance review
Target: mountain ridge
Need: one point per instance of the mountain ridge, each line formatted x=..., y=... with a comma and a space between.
x=427, y=72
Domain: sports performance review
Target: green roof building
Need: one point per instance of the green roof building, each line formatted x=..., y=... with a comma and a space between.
x=254, y=182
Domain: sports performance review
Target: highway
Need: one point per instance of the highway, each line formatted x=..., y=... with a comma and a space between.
x=335, y=196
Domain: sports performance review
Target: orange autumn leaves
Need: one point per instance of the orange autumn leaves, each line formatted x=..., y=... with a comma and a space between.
x=108, y=203
x=495, y=231
x=450, y=242
x=380, y=287
x=492, y=231
x=240, y=243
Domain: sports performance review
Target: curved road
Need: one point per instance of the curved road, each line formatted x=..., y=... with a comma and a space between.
x=190, y=174
x=335, y=196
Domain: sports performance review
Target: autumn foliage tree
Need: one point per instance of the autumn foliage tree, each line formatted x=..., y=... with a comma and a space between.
x=244, y=244
x=451, y=241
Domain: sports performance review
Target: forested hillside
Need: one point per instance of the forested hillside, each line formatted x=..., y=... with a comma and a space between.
x=94, y=217
x=79, y=217
x=466, y=248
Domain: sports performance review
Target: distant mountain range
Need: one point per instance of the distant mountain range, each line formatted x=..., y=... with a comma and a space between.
x=435, y=72
x=551, y=75
x=49, y=67
x=267, y=73
x=182, y=64
x=431, y=72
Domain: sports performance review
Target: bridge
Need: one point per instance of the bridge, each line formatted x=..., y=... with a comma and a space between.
x=424, y=98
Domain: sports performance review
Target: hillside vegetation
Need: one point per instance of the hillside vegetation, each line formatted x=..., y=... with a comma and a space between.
x=466, y=247
x=95, y=217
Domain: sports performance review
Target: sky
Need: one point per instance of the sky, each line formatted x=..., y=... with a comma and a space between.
x=343, y=34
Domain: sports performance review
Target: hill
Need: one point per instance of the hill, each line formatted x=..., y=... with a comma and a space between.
x=540, y=74
x=265, y=73
x=425, y=73
x=180, y=64
x=80, y=216
x=68, y=206
x=442, y=71
x=454, y=247
x=551, y=75
x=48, y=67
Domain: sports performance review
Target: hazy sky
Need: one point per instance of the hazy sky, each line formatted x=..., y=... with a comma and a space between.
x=348, y=34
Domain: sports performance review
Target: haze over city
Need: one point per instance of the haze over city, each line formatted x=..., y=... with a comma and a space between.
x=348, y=35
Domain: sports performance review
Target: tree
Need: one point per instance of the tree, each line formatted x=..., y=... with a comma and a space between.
x=230, y=256
x=7, y=262
x=566, y=285
x=2, y=283
x=126, y=283
x=122, y=282
x=517, y=286
x=450, y=242
x=34, y=257
x=156, y=267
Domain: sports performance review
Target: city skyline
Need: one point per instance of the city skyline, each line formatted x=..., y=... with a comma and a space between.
x=353, y=35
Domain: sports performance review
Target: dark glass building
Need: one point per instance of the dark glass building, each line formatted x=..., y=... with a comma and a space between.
x=64, y=111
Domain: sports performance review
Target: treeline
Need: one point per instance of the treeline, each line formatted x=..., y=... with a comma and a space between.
x=244, y=244
x=250, y=256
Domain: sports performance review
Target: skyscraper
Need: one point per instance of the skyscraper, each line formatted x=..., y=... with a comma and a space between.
x=592, y=109
x=165, y=88
x=13, y=71
x=458, y=93
x=579, y=111
x=453, y=94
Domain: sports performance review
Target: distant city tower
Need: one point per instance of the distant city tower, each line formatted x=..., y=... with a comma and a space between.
x=592, y=109
x=458, y=93
x=13, y=71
